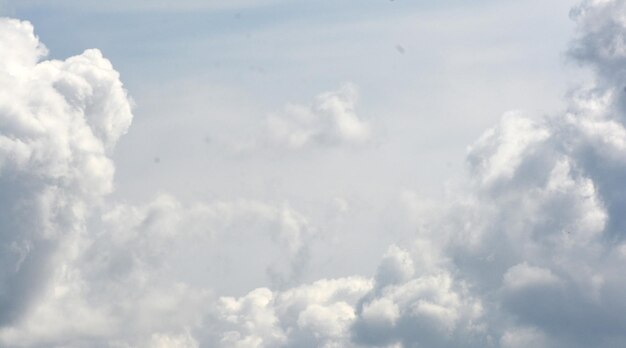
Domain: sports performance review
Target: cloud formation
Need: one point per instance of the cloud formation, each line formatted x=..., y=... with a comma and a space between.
x=76, y=271
x=330, y=121
x=529, y=252
x=58, y=122
x=600, y=40
x=315, y=315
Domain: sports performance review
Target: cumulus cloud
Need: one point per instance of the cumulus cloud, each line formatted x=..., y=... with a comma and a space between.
x=536, y=233
x=315, y=315
x=138, y=279
x=58, y=122
x=529, y=252
x=76, y=271
x=601, y=39
x=331, y=120
x=425, y=308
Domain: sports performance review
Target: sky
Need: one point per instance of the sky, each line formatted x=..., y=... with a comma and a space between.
x=273, y=173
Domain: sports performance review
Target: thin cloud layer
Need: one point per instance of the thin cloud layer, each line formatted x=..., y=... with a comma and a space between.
x=529, y=252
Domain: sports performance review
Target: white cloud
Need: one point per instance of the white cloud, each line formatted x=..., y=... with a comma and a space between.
x=601, y=38
x=383, y=312
x=168, y=231
x=499, y=152
x=396, y=267
x=522, y=276
x=331, y=120
x=173, y=341
x=137, y=278
x=431, y=309
x=523, y=337
x=529, y=253
x=67, y=278
x=319, y=314
x=54, y=164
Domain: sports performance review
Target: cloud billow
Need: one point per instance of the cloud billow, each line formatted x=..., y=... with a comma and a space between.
x=58, y=121
x=330, y=121
x=530, y=251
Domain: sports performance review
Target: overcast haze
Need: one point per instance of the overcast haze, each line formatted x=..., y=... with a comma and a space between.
x=312, y=174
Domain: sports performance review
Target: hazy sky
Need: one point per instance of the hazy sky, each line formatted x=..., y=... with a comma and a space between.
x=312, y=174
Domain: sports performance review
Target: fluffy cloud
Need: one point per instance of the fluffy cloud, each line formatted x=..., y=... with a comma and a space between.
x=316, y=315
x=74, y=278
x=529, y=252
x=411, y=308
x=58, y=121
x=601, y=37
x=137, y=280
x=330, y=120
x=537, y=232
